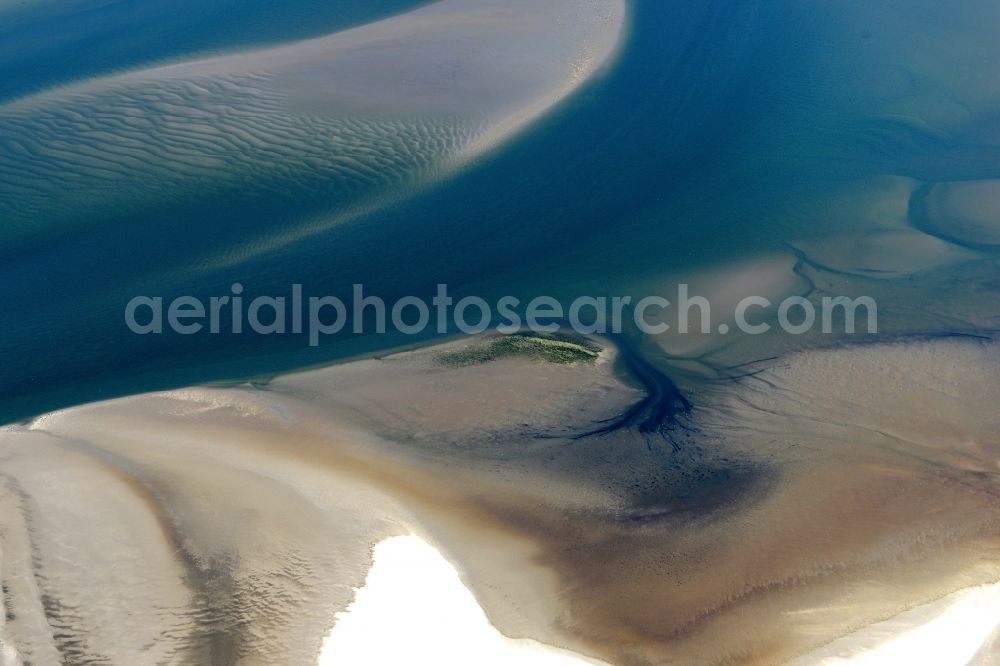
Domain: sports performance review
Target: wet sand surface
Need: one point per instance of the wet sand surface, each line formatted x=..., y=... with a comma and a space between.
x=230, y=524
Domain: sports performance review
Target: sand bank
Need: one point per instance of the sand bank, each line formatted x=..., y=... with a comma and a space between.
x=800, y=505
x=339, y=124
x=951, y=631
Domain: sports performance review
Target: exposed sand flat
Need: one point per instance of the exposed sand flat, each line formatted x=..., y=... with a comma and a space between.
x=94, y=563
x=952, y=631
x=338, y=122
x=167, y=556
x=807, y=502
x=252, y=534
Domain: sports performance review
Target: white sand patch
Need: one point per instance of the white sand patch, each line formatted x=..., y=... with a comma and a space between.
x=414, y=609
x=948, y=632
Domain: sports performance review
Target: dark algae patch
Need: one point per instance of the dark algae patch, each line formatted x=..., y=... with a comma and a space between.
x=544, y=348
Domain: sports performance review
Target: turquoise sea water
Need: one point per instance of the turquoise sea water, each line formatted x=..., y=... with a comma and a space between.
x=720, y=130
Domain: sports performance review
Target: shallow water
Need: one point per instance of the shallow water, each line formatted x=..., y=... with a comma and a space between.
x=718, y=132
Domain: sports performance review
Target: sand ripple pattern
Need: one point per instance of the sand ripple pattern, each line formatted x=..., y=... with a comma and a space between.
x=316, y=128
x=135, y=147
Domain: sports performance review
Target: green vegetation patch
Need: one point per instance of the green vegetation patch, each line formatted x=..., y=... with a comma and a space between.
x=548, y=349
